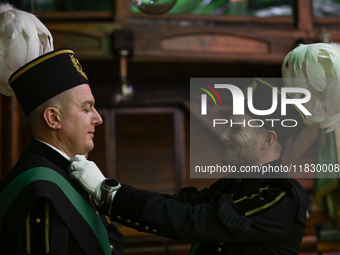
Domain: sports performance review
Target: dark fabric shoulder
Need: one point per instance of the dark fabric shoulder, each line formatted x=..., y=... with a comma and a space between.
x=258, y=196
x=297, y=193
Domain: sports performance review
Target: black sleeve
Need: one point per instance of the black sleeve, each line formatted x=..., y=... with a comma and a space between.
x=164, y=216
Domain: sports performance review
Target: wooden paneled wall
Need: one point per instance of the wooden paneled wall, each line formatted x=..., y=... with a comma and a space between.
x=15, y=133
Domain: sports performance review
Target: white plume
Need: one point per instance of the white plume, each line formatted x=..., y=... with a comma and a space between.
x=22, y=38
x=317, y=68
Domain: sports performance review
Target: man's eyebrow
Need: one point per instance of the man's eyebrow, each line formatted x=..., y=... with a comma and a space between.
x=87, y=102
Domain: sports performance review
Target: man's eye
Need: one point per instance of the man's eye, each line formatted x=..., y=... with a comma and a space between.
x=86, y=110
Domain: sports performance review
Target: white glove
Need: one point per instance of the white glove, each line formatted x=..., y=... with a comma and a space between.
x=87, y=174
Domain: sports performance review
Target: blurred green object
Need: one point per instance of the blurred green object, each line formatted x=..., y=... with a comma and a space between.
x=154, y=6
x=229, y=7
x=185, y=6
x=330, y=235
x=326, y=185
x=210, y=7
x=238, y=7
x=199, y=7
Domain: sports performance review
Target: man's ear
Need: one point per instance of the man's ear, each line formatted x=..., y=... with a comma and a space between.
x=270, y=137
x=52, y=117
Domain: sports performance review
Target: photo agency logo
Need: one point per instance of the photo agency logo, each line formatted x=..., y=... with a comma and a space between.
x=241, y=99
x=219, y=103
x=204, y=97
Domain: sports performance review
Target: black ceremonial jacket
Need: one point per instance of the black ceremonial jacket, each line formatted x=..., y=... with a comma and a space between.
x=232, y=216
x=41, y=218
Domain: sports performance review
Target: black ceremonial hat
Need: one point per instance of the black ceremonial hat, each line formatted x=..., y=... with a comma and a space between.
x=45, y=77
x=262, y=100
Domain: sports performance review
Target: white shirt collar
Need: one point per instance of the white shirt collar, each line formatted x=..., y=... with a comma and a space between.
x=54, y=148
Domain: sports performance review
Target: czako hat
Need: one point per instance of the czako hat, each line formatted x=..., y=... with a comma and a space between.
x=45, y=77
x=283, y=125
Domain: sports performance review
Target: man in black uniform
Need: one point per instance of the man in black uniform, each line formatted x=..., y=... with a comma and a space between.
x=254, y=215
x=43, y=211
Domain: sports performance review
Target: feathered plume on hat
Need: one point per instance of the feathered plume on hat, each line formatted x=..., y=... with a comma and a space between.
x=22, y=38
x=316, y=67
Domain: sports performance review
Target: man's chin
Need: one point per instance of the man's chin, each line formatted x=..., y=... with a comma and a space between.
x=229, y=162
x=87, y=149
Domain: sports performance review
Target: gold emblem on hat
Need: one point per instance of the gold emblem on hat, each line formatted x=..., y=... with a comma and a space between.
x=78, y=67
x=252, y=85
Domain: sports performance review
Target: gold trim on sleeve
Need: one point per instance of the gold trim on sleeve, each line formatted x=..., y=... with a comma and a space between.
x=47, y=225
x=28, y=234
x=266, y=205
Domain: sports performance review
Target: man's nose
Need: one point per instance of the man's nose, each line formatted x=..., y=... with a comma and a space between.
x=97, y=118
x=224, y=137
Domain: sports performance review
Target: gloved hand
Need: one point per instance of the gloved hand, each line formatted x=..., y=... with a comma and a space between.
x=87, y=174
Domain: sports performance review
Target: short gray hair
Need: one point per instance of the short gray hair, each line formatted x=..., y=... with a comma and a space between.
x=59, y=101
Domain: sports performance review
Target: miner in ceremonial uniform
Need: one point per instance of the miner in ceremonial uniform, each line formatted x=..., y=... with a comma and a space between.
x=43, y=211
x=235, y=215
